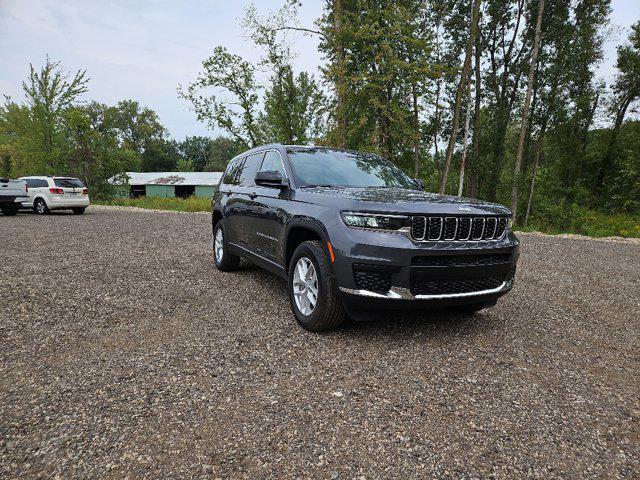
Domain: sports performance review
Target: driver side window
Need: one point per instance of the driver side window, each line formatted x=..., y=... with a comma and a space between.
x=272, y=161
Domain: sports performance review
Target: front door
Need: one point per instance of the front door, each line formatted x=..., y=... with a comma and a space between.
x=269, y=205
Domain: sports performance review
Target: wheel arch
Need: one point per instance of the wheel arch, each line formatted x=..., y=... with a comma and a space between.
x=299, y=231
x=216, y=216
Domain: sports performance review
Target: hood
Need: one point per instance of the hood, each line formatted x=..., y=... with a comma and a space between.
x=398, y=200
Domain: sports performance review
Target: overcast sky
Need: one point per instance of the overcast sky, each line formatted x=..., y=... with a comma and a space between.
x=143, y=49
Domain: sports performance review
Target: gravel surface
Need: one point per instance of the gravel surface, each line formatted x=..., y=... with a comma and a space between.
x=124, y=353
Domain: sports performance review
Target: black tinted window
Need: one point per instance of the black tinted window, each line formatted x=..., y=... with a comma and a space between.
x=68, y=182
x=251, y=167
x=232, y=174
x=36, y=183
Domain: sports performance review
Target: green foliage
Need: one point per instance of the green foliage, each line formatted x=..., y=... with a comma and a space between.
x=191, y=204
x=573, y=218
x=236, y=115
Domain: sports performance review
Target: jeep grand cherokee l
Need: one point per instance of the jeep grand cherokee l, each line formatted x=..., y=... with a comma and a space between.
x=353, y=235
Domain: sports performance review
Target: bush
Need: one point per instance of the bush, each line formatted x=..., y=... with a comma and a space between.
x=562, y=218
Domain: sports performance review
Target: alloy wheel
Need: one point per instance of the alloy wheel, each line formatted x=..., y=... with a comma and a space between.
x=305, y=286
x=218, y=245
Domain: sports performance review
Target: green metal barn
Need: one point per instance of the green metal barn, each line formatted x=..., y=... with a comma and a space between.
x=170, y=184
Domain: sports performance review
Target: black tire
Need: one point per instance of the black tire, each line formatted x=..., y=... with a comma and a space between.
x=40, y=207
x=78, y=211
x=328, y=312
x=229, y=261
x=10, y=210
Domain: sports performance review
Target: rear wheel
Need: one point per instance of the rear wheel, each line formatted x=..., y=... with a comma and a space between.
x=40, y=207
x=312, y=289
x=9, y=210
x=79, y=211
x=225, y=261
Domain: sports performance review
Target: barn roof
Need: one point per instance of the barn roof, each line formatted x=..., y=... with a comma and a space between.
x=172, y=178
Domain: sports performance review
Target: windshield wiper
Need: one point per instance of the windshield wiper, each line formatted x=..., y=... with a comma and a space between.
x=313, y=186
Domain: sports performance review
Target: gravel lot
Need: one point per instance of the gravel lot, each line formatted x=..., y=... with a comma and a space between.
x=124, y=353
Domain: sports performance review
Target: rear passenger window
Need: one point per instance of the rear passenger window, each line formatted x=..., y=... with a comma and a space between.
x=272, y=161
x=232, y=174
x=251, y=167
x=36, y=183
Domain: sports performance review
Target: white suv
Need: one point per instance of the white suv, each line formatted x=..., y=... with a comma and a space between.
x=56, y=193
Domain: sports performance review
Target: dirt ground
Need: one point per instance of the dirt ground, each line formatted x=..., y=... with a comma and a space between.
x=124, y=353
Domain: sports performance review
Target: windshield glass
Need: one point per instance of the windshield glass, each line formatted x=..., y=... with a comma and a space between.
x=68, y=182
x=327, y=167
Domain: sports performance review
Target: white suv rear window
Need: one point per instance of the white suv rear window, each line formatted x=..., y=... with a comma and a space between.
x=68, y=182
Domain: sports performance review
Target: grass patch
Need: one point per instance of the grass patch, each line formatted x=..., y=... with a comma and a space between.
x=191, y=204
x=582, y=221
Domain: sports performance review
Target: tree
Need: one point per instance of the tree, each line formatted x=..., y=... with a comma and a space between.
x=197, y=150
x=49, y=92
x=525, y=112
x=626, y=90
x=222, y=150
x=136, y=126
x=237, y=115
x=160, y=155
x=464, y=75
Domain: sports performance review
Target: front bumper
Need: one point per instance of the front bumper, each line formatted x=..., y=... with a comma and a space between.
x=420, y=274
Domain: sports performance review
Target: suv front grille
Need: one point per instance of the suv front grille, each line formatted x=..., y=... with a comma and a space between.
x=461, y=260
x=455, y=228
x=448, y=287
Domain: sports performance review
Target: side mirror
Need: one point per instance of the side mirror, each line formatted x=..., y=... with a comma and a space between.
x=419, y=183
x=270, y=178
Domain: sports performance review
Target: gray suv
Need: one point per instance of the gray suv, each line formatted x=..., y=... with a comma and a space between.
x=354, y=235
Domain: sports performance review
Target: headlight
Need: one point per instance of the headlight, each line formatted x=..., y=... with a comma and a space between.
x=374, y=221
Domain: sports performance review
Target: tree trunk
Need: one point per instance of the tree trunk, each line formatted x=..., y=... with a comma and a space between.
x=341, y=81
x=525, y=113
x=533, y=176
x=465, y=138
x=608, y=159
x=475, y=13
x=416, y=132
x=475, y=157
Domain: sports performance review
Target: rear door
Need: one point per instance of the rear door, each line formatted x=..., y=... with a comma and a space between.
x=37, y=187
x=231, y=201
x=247, y=215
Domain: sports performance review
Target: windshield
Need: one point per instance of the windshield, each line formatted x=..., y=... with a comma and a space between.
x=68, y=182
x=327, y=167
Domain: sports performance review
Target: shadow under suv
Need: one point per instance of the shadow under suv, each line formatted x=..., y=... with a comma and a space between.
x=352, y=234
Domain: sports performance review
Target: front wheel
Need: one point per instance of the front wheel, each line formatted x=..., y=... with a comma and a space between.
x=312, y=289
x=225, y=261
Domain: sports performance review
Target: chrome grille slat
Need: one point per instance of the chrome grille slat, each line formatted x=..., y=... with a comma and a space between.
x=457, y=228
